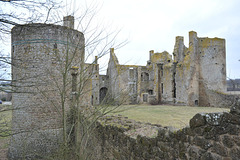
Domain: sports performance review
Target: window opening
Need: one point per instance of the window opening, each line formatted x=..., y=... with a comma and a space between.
x=150, y=92
x=55, y=46
x=131, y=73
x=145, y=97
x=162, y=87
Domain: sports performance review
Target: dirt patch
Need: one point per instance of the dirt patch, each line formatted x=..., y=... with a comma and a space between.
x=4, y=148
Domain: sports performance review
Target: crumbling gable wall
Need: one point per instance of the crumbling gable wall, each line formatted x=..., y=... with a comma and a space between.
x=123, y=81
x=112, y=72
x=126, y=81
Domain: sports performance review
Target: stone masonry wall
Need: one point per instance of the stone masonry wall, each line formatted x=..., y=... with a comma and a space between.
x=210, y=136
x=41, y=56
x=187, y=71
x=215, y=98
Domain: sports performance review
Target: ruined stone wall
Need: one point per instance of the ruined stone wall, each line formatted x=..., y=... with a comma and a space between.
x=156, y=81
x=167, y=83
x=193, y=88
x=187, y=72
x=103, y=81
x=147, y=84
x=129, y=79
x=182, y=79
x=89, y=85
x=200, y=68
x=42, y=55
x=113, y=74
x=181, y=84
x=188, y=79
x=213, y=63
x=179, y=49
x=161, y=76
x=95, y=85
x=212, y=60
x=181, y=70
x=133, y=83
x=124, y=81
x=210, y=136
x=104, y=92
x=221, y=99
x=163, y=57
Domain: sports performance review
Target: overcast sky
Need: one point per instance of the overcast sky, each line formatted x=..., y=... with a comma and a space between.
x=154, y=24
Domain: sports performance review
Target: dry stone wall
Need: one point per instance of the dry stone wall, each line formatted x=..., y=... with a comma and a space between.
x=210, y=136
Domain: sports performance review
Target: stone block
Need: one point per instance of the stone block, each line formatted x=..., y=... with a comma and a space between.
x=197, y=121
x=220, y=149
x=235, y=153
x=228, y=141
x=214, y=119
x=201, y=142
x=231, y=118
x=235, y=109
x=210, y=156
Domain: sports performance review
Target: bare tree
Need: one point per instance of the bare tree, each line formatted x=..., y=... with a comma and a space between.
x=15, y=12
x=42, y=81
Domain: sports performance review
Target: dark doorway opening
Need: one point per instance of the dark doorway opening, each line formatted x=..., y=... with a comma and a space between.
x=102, y=93
x=145, y=97
x=150, y=92
x=196, y=102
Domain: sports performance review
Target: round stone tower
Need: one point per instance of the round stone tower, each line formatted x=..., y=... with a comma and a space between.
x=42, y=55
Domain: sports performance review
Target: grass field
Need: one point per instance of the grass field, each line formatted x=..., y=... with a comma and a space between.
x=5, y=120
x=5, y=127
x=175, y=116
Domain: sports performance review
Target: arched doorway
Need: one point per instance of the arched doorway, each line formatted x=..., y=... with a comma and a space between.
x=102, y=93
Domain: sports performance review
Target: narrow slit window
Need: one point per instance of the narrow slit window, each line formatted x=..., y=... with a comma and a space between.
x=162, y=87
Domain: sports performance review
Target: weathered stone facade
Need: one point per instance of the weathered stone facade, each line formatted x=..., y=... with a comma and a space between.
x=42, y=55
x=187, y=79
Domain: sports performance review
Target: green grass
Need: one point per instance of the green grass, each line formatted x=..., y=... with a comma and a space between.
x=5, y=127
x=5, y=120
x=175, y=116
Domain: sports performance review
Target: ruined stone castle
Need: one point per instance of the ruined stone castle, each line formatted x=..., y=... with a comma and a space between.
x=187, y=78
x=43, y=55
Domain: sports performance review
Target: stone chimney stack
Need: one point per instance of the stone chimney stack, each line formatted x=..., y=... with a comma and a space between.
x=96, y=60
x=111, y=50
x=151, y=54
x=68, y=21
